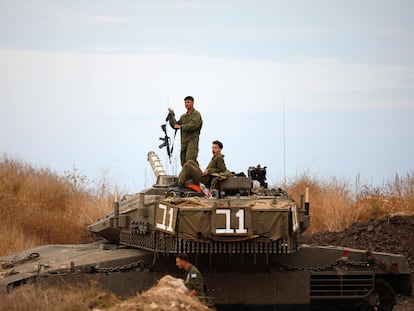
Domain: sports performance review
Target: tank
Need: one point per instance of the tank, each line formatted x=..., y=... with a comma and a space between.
x=243, y=236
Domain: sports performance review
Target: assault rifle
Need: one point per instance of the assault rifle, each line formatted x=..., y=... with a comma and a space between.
x=166, y=141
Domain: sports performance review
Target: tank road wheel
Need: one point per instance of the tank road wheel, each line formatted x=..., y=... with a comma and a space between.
x=382, y=298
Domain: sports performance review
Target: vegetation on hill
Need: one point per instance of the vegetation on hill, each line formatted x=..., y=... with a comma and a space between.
x=39, y=207
x=336, y=204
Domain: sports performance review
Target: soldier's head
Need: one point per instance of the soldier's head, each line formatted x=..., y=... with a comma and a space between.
x=216, y=147
x=182, y=261
x=189, y=103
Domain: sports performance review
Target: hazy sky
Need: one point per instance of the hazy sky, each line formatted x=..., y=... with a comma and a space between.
x=319, y=86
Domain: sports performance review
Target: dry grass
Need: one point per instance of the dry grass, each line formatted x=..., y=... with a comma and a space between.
x=336, y=204
x=39, y=207
x=30, y=297
x=169, y=294
x=330, y=204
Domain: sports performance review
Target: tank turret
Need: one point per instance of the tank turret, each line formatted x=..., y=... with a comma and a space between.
x=244, y=222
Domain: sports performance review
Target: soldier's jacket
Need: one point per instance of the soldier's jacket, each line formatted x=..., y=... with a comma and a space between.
x=194, y=280
x=216, y=171
x=191, y=124
x=216, y=164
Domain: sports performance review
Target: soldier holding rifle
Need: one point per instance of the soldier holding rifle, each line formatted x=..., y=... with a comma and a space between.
x=190, y=124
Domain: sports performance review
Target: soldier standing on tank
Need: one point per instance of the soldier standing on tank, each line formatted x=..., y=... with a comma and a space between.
x=194, y=280
x=190, y=124
x=192, y=171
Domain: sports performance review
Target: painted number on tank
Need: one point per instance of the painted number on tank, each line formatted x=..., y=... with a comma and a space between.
x=240, y=215
x=167, y=216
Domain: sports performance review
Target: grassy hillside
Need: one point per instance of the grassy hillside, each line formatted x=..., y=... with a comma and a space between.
x=336, y=204
x=39, y=207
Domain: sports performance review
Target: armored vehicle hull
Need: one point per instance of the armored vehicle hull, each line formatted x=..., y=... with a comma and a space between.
x=311, y=277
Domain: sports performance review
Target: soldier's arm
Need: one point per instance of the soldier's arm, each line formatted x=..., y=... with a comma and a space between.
x=195, y=281
x=171, y=119
x=196, y=285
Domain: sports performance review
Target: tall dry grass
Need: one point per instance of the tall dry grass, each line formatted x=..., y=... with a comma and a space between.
x=48, y=298
x=39, y=207
x=335, y=204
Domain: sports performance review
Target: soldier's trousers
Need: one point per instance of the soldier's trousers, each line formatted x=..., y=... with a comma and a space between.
x=189, y=151
x=192, y=171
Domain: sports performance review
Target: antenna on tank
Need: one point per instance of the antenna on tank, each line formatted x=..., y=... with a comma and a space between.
x=284, y=142
x=169, y=158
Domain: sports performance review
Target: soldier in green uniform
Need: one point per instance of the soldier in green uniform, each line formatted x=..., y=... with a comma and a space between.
x=192, y=171
x=194, y=280
x=190, y=124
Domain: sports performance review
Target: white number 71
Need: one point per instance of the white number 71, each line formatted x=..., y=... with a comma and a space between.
x=164, y=218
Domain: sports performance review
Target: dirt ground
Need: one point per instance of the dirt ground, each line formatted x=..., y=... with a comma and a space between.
x=392, y=235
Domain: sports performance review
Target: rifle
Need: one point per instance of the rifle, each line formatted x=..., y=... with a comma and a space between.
x=166, y=141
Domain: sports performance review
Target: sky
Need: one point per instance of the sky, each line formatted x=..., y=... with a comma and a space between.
x=318, y=86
